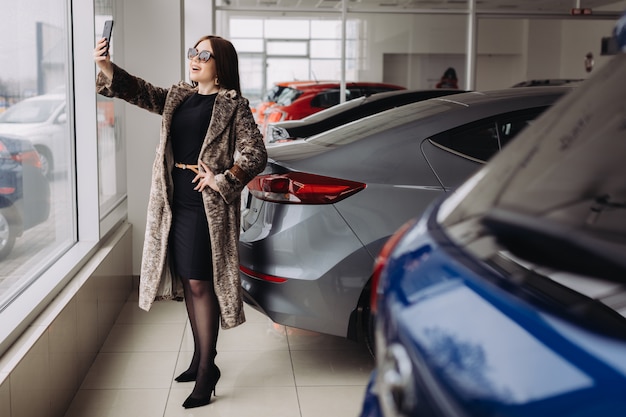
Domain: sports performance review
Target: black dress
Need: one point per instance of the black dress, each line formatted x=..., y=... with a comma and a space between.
x=189, y=241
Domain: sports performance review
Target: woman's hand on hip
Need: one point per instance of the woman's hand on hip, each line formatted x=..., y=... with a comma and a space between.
x=205, y=178
x=104, y=62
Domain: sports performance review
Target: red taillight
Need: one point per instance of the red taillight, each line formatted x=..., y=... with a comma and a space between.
x=264, y=277
x=29, y=158
x=261, y=111
x=302, y=188
x=381, y=261
x=274, y=116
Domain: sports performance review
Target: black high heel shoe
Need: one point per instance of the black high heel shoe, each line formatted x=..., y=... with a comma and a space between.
x=193, y=402
x=186, y=376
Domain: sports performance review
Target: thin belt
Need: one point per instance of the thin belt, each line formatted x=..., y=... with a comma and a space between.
x=194, y=168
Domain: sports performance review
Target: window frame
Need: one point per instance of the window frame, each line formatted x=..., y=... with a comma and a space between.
x=16, y=317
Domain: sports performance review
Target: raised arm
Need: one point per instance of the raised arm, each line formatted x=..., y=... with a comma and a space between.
x=113, y=81
x=103, y=62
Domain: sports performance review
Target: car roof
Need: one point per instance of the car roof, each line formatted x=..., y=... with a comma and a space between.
x=323, y=85
x=547, y=82
x=301, y=82
x=459, y=108
x=469, y=106
x=507, y=94
x=372, y=98
x=349, y=111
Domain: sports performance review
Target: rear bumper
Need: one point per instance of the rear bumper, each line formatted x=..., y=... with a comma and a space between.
x=322, y=305
x=325, y=266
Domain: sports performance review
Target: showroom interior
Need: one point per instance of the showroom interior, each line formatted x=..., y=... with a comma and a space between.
x=68, y=288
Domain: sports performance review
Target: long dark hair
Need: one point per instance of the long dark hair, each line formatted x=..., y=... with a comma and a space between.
x=226, y=62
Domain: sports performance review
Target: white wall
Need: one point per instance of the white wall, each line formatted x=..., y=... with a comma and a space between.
x=407, y=35
x=411, y=50
x=198, y=21
x=153, y=39
x=577, y=39
x=403, y=48
x=42, y=371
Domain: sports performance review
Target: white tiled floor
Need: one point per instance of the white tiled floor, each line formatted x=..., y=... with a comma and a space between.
x=267, y=370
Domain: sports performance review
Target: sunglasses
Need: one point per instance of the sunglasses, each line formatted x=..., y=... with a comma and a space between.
x=203, y=56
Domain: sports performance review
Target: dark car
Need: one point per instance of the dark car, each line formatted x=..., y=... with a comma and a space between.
x=545, y=82
x=321, y=211
x=24, y=191
x=299, y=100
x=509, y=297
x=348, y=112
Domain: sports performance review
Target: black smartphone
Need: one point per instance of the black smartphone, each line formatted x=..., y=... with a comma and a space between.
x=106, y=33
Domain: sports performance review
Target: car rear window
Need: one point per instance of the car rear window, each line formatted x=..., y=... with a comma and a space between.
x=483, y=139
x=330, y=98
x=338, y=109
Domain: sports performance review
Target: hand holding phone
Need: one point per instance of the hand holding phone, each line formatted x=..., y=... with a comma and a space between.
x=106, y=33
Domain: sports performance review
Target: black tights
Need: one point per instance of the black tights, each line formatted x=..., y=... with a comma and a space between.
x=204, y=316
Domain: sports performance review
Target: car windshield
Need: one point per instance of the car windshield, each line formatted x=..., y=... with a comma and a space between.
x=273, y=93
x=30, y=111
x=287, y=96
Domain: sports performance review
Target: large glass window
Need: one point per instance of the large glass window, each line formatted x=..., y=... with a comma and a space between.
x=37, y=203
x=293, y=48
x=111, y=148
x=413, y=46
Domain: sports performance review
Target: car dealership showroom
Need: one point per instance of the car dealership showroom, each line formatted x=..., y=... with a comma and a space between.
x=406, y=208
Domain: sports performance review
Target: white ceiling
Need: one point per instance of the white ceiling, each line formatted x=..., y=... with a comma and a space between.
x=548, y=7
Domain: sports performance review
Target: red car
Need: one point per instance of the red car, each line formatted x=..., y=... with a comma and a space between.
x=272, y=95
x=300, y=99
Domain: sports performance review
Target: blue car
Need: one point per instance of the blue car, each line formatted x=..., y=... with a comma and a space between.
x=24, y=191
x=508, y=297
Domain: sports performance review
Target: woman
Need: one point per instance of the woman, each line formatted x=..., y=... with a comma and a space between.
x=448, y=79
x=210, y=148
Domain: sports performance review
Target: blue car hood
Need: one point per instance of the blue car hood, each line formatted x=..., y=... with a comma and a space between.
x=497, y=353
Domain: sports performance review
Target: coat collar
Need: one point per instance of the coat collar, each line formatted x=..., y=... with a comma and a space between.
x=223, y=110
x=225, y=105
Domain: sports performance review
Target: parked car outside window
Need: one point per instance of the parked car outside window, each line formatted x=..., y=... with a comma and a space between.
x=43, y=121
x=24, y=191
x=508, y=298
x=317, y=217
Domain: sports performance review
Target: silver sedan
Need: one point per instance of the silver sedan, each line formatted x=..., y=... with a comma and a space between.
x=317, y=217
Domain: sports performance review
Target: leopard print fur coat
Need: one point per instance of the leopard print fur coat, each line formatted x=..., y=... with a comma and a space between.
x=233, y=149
